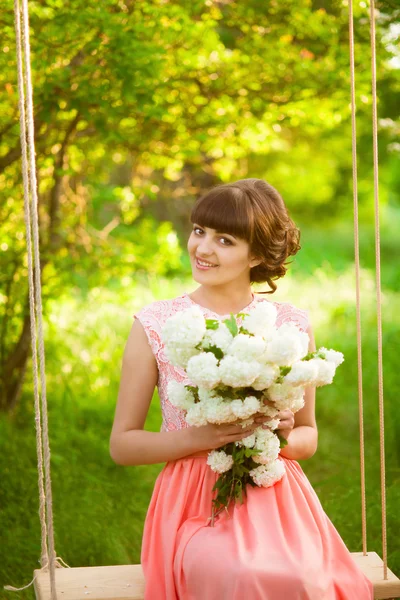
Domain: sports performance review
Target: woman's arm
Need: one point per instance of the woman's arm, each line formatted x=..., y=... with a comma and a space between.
x=303, y=438
x=129, y=443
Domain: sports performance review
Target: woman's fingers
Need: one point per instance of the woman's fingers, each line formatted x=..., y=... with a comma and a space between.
x=269, y=403
x=286, y=424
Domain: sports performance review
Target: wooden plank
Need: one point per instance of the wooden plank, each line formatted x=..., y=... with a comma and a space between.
x=119, y=582
x=372, y=567
x=126, y=582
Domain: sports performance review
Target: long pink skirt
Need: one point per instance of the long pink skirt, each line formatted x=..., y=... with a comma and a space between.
x=278, y=545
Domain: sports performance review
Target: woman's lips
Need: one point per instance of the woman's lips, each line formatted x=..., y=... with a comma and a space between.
x=204, y=267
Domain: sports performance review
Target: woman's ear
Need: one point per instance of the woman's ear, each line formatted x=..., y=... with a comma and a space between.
x=255, y=262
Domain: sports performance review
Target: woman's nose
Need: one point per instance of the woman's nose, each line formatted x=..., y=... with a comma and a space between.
x=204, y=246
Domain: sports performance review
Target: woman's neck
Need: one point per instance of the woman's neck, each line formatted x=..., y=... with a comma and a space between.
x=222, y=302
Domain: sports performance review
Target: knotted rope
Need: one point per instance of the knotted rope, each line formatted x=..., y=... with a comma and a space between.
x=357, y=266
x=48, y=558
x=378, y=289
x=378, y=285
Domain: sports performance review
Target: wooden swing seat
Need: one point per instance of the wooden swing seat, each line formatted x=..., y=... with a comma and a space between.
x=126, y=582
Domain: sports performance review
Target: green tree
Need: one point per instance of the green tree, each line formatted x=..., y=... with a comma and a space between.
x=139, y=105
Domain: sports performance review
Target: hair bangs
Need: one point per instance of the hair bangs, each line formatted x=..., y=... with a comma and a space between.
x=226, y=210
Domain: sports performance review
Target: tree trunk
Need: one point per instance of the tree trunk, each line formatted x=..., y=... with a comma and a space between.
x=14, y=369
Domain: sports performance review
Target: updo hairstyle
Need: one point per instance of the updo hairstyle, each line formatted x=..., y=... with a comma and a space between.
x=253, y=210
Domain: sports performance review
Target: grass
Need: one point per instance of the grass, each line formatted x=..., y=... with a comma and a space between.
x=99, y=507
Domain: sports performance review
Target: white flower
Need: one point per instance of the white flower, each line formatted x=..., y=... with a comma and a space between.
x=266, y=438
x=179, y=396
x=326, y=371
x=297, y=402
x=287, y=346
x=246, y=347
x=333, y=356
x=185, y=327
x=203, y=370
x=252, y=403
x=206, y=395
x=279, y=392
x=264, y=458
x=179, y=356
x=244, y=409
x=237, y=373
x=248, y=441
x=261, y=320
x=218, y=411
x=266, y=378
x=265, y=409
x=221, y=338
x=196, y=415
x=284, y=395
x=219, y=461
x=273, y=423
x=267, y=475
x=303, y=372
x=181, y=333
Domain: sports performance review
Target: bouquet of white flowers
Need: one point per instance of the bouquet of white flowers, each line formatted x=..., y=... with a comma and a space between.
x=234, y=370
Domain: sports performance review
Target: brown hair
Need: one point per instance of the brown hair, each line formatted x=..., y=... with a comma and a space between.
x=253, y=210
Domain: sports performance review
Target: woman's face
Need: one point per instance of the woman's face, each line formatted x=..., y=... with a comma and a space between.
x=218, y=258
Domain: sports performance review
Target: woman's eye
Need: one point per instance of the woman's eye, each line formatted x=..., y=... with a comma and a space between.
x=228, y=242
x=199, y=231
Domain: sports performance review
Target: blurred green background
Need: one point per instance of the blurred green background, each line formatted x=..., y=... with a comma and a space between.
x=139, y=108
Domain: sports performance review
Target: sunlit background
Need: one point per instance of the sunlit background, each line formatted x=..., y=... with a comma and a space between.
x=139, y=108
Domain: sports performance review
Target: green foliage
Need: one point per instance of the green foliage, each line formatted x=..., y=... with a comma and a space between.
x=138, y=107
x=282, y=440
x=232, y=484
x=285, y=370
x=237, y=393
x=212, y=324
x=232, y=325
x=216, y=351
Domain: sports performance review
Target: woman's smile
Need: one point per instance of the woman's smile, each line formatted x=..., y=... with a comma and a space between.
x=203, y=265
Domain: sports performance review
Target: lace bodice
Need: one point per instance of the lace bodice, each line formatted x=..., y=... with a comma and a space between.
x=153, y=316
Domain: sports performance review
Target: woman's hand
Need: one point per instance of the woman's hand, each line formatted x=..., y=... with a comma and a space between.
x=286, y=420
x=212, y=436
x=286, y=423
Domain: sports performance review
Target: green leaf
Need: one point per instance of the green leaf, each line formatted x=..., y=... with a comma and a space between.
x=283, y=441
x=232, y=325
x=242, y=315
x=212, y=323
x=243, y=330
x=252, y=451
x=309, y=356
x=216, y=351
x=285, y=370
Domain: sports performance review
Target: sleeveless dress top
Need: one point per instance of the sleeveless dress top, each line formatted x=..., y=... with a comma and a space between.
x=278, y=545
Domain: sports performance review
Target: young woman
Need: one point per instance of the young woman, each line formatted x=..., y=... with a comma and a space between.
x=279, y=544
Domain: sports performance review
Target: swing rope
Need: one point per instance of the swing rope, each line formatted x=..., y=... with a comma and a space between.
x=357, y=273
x=378, y=290
x=49, y=561
x=378, y=284
x=48, y=556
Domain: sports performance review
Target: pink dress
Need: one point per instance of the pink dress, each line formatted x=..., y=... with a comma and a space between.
x=278, y=545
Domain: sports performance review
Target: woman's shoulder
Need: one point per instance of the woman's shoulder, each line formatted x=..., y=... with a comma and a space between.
x=158, y=311
x=289, y=313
